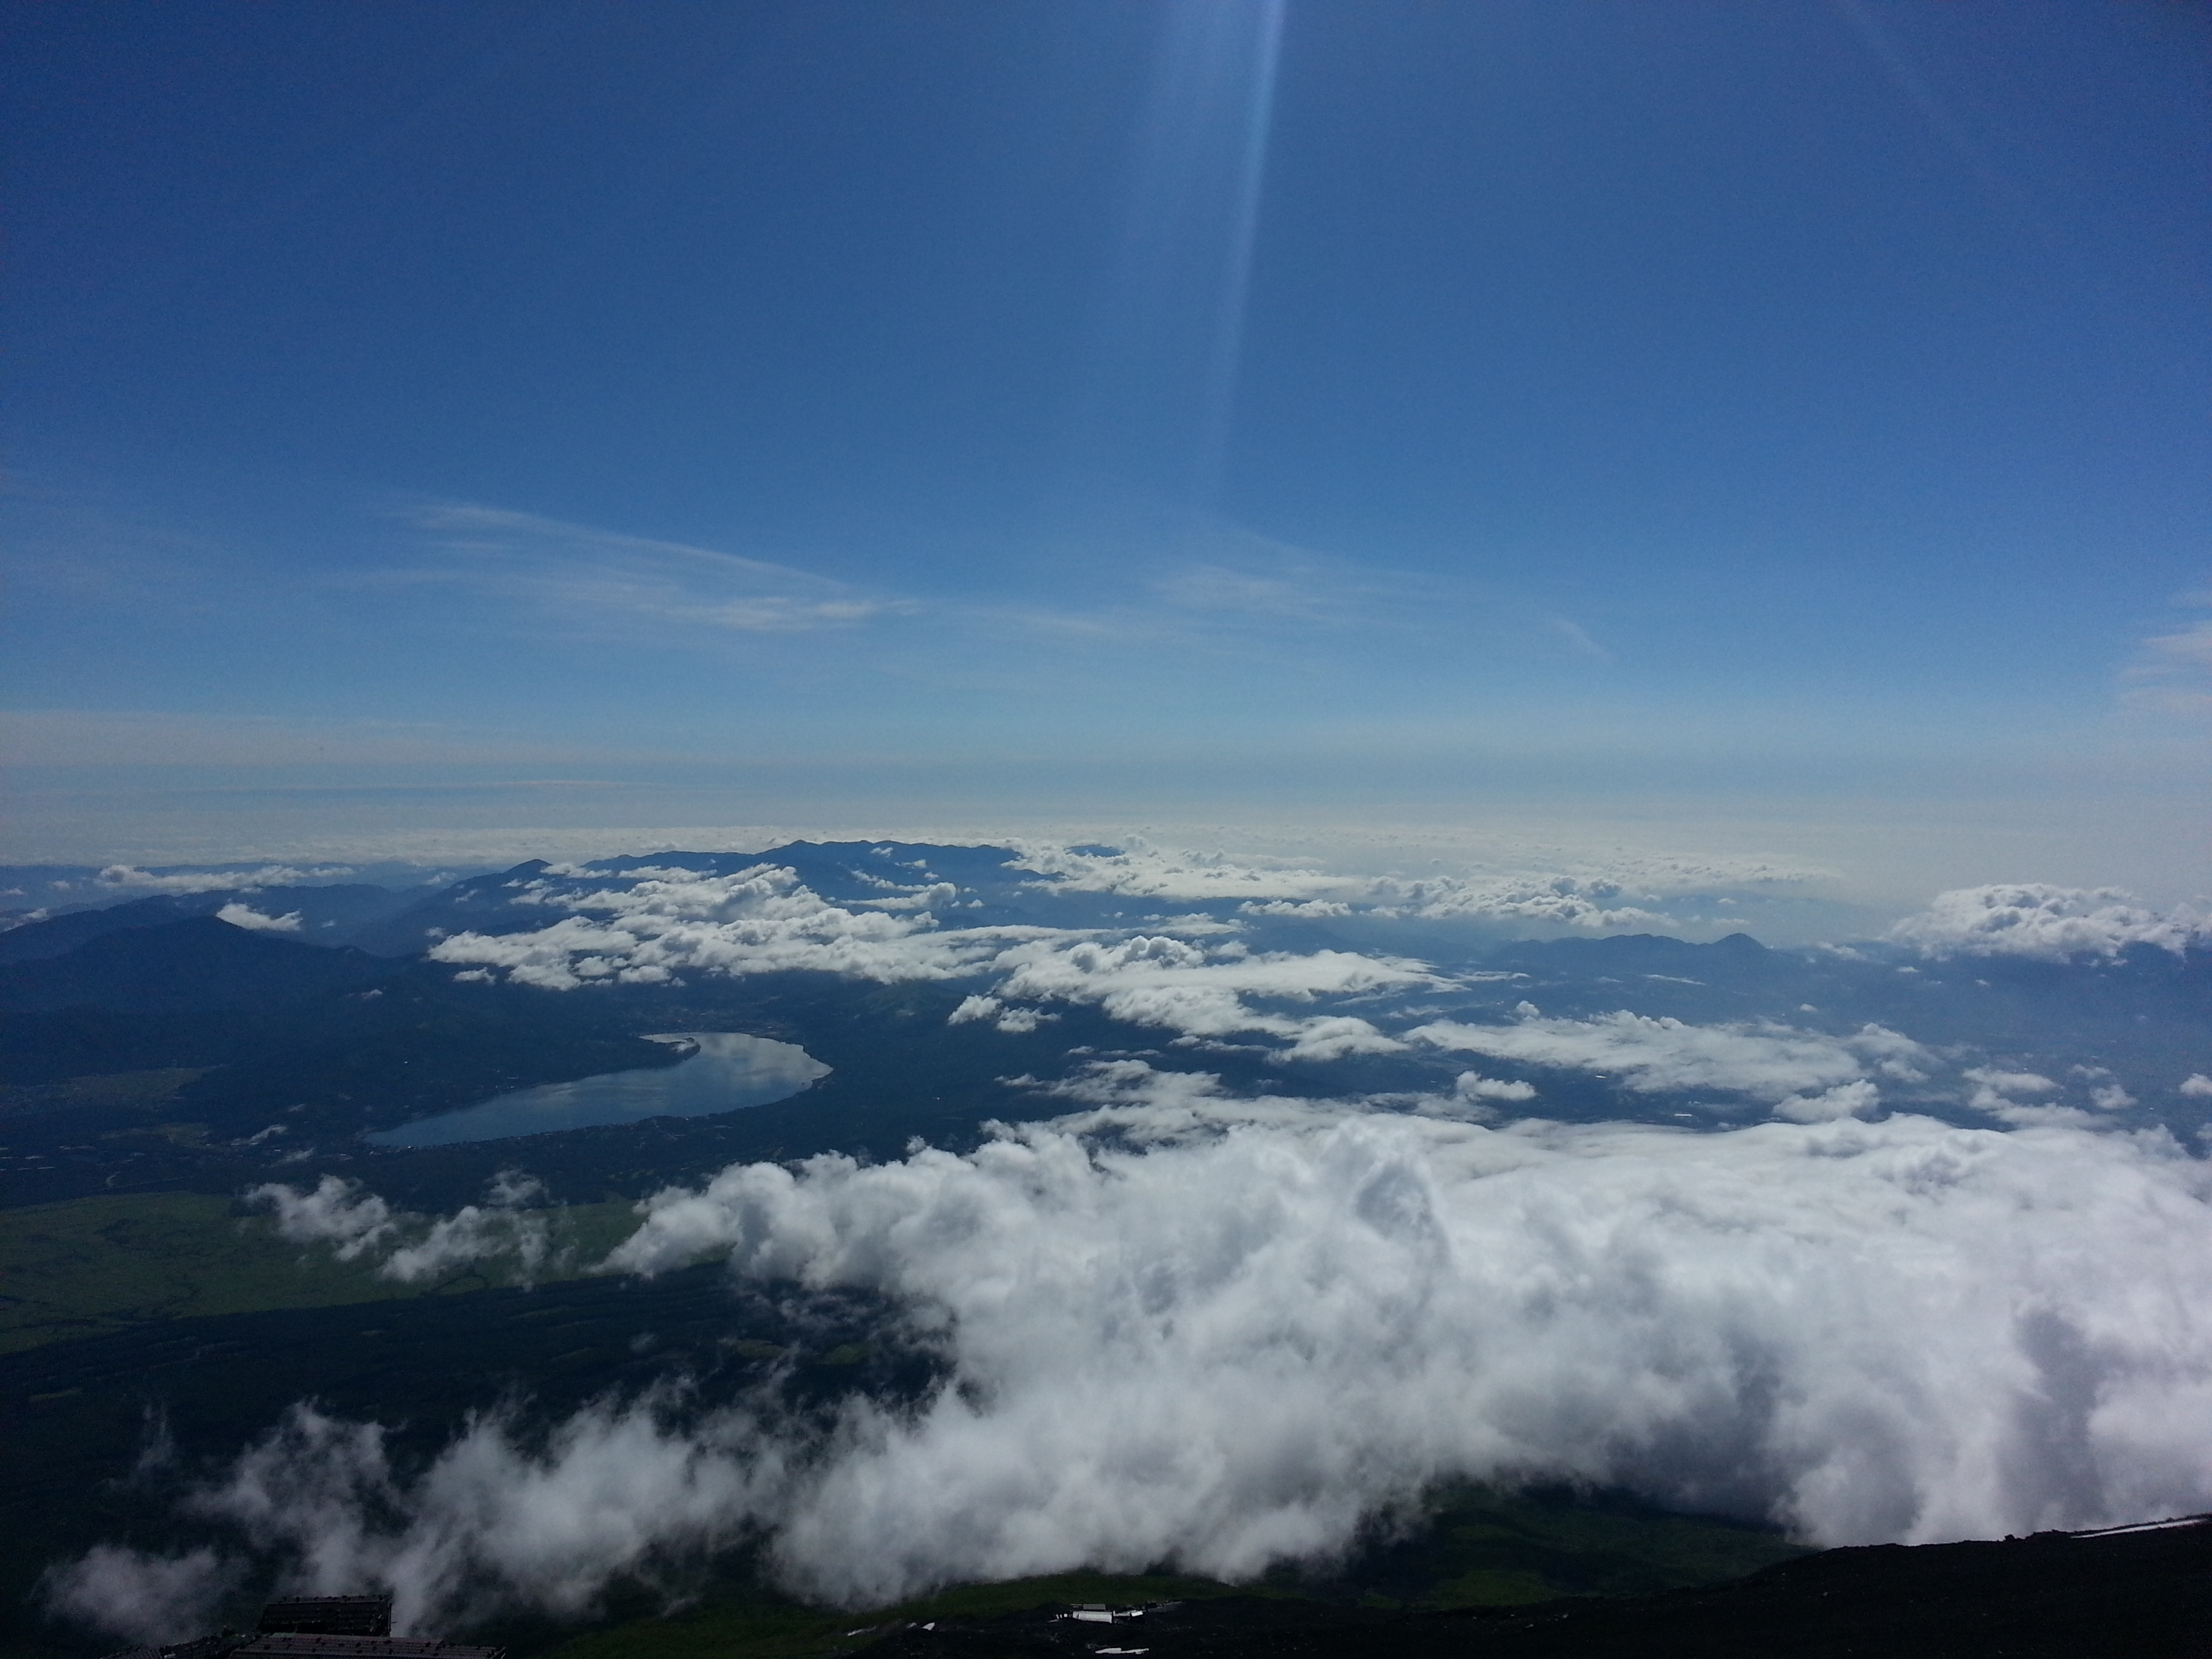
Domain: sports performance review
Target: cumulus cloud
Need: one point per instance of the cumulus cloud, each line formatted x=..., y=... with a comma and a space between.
x=2196, y=1084
x=1554, y=901
x=1805, y=1075
x=1473, y=1085
x=1996, y=1091
x=492, y=1523
x=1607, y=894
x=1201, y=990
x=1592, y=894
x=1610, y=894
x=1227, y=1350
x=2045, y=923
x=1009, y=1019
x=1141, y=871
x=764, y=920
x=244, y=915
x=140, y=1597
x=355, y=1222
x=1187, y=973
x=1181, y=1327
x=337, y=1213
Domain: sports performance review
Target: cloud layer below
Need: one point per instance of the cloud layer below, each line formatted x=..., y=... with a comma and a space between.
x=2044, y=923
x=1220, y=1333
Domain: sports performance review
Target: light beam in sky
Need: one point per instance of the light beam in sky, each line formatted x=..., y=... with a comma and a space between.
x=1155, y=411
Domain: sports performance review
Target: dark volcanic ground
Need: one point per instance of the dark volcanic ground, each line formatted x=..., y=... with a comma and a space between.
x=2141, y=1593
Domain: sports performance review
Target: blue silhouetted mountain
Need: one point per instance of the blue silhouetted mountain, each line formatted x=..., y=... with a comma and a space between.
x=482, y=904
x=198, y=963
x=1738, y=956
x=327, y=915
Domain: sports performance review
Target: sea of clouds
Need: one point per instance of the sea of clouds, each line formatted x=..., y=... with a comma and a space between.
x=1192, y=976
x=1181, y=1328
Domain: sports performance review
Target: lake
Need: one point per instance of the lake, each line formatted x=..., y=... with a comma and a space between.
x=726, y=1071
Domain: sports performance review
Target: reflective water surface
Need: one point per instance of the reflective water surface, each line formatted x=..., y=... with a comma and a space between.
x=726, y=1071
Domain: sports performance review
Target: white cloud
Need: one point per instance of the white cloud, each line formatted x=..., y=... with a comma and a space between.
x=355, y=1222
x=598, y=577
x=1310, y=909
x=1991, y=1081
x=143, y=1598
x=1578, y=640
x=646, y=926
x=1994, y=1089
x=1141, y=871
x=1200, y=991
x=1218, y=1333
x=764, y=920
x=2193, y=646
x=1802, y=1075
x=2045, y=923
x=758, y=920
x=2196, y=1084
x=2172, y=672
x=253, y=921
x=1291, y=594
x=1473, y=1085
x=1554, y=900
x=337, y=1213
x=1597, y=895
x=1855, y=1099
x=491, y=1523
x=477, y=1233
x=1228, y=1350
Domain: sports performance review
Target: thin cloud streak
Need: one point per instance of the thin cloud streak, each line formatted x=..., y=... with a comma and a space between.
x=577, y=572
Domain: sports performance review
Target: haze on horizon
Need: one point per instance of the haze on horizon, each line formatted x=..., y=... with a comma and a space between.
x=1716, y=430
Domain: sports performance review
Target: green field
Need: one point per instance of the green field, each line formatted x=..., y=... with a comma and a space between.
x=758, y=1625
x=1470, y=1548
x=95, y=1265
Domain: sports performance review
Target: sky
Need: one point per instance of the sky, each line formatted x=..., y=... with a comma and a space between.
x=1716, y=427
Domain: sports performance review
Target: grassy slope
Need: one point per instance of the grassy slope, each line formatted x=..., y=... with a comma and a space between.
x=758, y=1627
x=95, y=1265
x=1475, y=1548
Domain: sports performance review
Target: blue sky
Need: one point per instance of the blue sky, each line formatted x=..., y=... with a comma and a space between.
x=1780, y=423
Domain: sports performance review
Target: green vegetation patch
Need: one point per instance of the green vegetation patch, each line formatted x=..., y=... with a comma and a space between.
x=763, y=1627
x=1470, y=1546
x=1477, y=1547
x=95, y=1265
x=112, y=1088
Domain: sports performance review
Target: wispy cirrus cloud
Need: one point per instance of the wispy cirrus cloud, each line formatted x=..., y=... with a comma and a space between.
x=1227, y=596
x=2172, y=672
x=580, y=573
